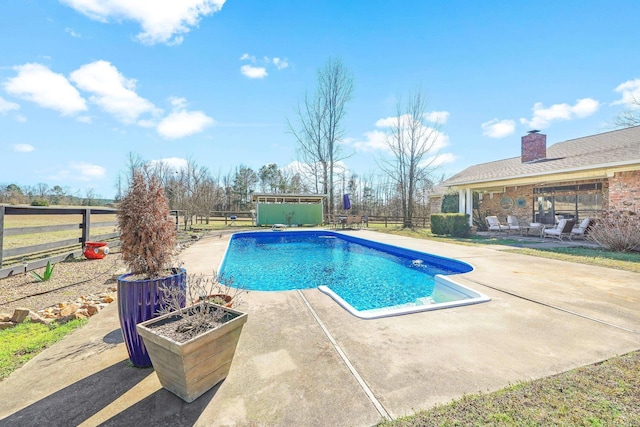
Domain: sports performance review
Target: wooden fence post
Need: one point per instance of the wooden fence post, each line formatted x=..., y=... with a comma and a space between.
x=86, y=227
x=1, y=232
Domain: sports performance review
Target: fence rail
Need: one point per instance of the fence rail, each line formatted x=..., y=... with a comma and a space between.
x=65, y=247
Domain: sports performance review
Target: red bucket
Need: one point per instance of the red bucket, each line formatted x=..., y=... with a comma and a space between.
x=95, y=250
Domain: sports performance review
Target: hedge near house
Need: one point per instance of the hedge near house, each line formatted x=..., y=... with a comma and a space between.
x=455, y=224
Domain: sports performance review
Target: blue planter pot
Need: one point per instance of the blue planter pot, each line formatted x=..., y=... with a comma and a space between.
x=140, y=300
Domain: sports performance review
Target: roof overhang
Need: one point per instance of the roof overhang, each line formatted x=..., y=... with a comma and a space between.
x=600, y=172
x=287, y=198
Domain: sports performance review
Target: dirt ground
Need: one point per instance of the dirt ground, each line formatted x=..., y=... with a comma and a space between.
x=70, y=280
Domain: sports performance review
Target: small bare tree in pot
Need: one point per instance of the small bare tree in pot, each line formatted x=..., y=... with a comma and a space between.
x=147, y=242
x=192, y=348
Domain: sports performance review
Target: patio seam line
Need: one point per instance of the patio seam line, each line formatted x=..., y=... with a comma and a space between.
x=584, y=316
x=376, y=403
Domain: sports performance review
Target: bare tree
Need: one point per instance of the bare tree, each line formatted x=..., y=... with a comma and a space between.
x=631, y=116
x=319, y=126
x=413, y=144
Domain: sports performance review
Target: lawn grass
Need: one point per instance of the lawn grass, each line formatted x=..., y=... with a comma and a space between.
x=603, y=394
x=23, y=342
x=597, y=257
x=628, y=261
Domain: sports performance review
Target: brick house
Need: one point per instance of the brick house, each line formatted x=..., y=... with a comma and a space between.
x=577, y=178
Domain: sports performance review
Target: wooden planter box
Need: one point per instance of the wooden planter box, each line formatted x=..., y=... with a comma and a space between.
x=191, y=368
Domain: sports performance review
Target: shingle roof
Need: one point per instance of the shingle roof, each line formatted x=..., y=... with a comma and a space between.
x=617, y=147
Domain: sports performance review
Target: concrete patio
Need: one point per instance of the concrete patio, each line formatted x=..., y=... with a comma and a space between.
x=303, y=360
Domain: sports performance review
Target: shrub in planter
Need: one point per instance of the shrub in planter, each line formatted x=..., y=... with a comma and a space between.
x=192, y=348
x=147, y=242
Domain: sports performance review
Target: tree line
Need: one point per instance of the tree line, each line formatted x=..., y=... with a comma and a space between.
x=43, y=195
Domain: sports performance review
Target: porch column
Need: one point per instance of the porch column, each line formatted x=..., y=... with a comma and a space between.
x=461, y=201
x=469, y=207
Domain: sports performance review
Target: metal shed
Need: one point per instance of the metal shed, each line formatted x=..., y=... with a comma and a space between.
x=289, y=209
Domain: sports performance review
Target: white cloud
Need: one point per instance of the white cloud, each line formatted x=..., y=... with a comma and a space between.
x=498, y=128
x=6, y=106
x=439, y=160
x=437, y=117
x=178, y=103
x=542, y=117
x=181, y=123
x=280, y=63
x=112, y=91
x=72, y=33
x=630, y=91
x=259, y=72
x=253, y=72
x=162, y=21
x=84, y=119
x=38, y=84
x=376, y=140
x=23, y=148
x=87, y=171
x=174, y=163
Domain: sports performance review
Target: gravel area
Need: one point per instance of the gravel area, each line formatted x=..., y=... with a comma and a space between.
x=70, y=280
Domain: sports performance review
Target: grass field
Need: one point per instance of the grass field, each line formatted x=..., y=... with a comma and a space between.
x=19, y=221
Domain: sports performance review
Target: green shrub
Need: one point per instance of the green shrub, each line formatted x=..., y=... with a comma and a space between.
x=449, y=203
x=454, y=224
x=438, y=224
x=39, y=202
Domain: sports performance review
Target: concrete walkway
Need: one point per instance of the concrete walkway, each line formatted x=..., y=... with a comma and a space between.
x=303, y=360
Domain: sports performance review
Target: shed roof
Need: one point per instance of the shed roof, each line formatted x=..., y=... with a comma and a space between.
x=287, y=198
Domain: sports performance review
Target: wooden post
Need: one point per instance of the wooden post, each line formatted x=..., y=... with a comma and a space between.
x=86, y=226
x=1, y=232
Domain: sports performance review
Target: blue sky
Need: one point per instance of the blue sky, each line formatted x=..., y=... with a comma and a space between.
x=85, y=82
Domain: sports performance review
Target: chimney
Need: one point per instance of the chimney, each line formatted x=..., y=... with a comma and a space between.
x=534, y=146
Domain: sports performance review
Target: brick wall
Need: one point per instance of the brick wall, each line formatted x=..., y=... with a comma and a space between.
x=624, y=191
x=514, y=201
x=534, y=147
x=435, y=204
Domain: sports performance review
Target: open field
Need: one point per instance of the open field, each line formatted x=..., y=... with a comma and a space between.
x=21, y=221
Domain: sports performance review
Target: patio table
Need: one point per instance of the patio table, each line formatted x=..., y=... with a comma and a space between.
x=533, y=226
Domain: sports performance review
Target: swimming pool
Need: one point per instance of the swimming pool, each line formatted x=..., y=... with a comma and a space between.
x=369, y=279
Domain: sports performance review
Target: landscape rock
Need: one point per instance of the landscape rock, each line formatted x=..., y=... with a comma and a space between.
x=4, y=317
x=83, y=307
x=107, y=299
x=36, y=318
x=90, y=308
x=68, y=310
x=20, y=315
x=6, y=325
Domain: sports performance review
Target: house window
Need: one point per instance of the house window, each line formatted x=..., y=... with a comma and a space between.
x=570, y=201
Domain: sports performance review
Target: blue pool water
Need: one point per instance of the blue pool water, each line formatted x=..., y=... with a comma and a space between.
x=363, y=274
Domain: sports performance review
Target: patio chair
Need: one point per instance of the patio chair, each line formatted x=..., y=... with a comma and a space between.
x=562, y=229
x=581, y=230
x=513, y=222
x=494, y=224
